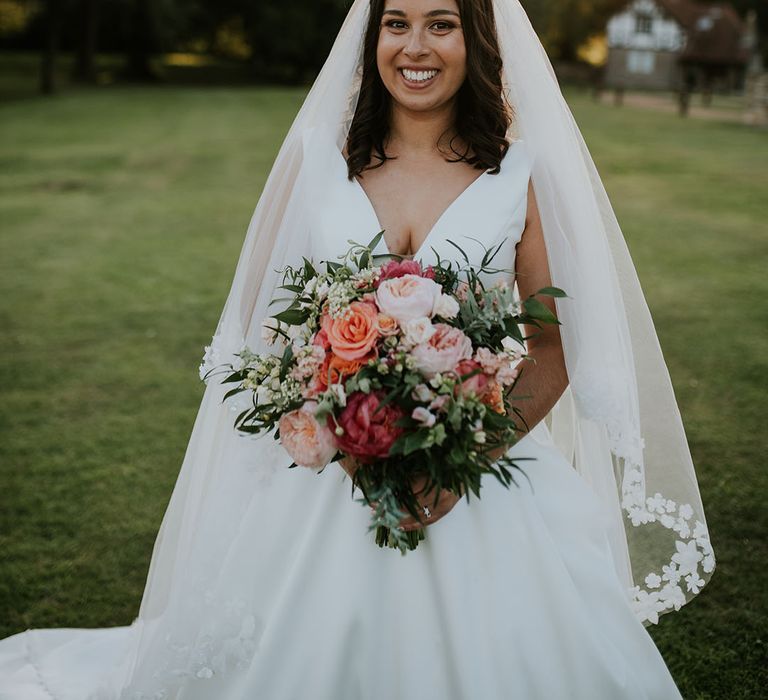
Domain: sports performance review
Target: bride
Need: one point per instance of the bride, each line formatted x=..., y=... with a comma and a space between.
x=438, y=122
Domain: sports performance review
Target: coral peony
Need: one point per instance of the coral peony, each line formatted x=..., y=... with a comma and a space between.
x=367, y=433
x=408, y=297
x=353, y=335
x=443, y=351
x=308, y=442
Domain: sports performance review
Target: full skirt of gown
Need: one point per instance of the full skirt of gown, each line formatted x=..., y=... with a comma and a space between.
x=514, y=595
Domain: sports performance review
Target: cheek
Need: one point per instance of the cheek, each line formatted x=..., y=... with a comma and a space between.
x=386, y=50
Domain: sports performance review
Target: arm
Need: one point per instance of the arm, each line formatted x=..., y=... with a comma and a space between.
x=545, y=379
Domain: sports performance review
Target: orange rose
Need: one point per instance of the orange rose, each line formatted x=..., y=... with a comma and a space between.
x=339, y=369
x=354, y=335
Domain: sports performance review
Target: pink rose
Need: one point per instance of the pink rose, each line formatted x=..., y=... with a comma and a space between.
x=367, y=434
x=443, y=351
x=476, y=384
x=353, y=336
x=407, y=297
x=307, y=442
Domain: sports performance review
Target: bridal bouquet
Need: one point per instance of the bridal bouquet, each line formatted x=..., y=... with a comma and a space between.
x=405, y=369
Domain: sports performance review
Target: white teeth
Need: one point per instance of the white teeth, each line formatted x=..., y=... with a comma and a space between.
x=419, y=75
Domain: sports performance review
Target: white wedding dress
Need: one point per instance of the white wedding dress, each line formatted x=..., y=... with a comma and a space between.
x=513, y=596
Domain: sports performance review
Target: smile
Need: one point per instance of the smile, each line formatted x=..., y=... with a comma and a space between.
x=418, y=78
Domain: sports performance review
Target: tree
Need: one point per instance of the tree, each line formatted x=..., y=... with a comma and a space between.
x=54, y=12
x=85, y=53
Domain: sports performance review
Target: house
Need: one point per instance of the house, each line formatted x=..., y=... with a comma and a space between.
x=676, y=44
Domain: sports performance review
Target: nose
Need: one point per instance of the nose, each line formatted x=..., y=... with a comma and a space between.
x=415, y=46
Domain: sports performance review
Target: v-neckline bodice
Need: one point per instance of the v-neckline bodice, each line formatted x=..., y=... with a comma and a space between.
x=444, y=214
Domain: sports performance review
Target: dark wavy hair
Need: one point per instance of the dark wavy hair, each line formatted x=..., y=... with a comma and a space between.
x=483, y=115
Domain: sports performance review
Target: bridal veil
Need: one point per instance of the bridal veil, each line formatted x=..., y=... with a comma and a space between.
x=618, y=422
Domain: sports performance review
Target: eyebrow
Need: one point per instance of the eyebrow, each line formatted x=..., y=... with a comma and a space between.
x=432, y=13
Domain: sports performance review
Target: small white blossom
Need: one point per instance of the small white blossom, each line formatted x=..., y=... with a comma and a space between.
x=446, y=306
x=338, y=394
x=510, y=344
x=421, y=392
x=694, y=582
x=670, y=573
x=653, y=580
x=423, y=416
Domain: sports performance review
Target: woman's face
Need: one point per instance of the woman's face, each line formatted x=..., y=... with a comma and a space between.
x=421, y=54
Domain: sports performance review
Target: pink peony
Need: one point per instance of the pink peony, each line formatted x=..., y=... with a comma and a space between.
x=443, y=351
x=308, y=442
x=367, y=434
x=353, y=336
x=398, y=268
x=407, y=297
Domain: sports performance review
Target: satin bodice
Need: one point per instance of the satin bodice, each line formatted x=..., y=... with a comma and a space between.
x=489, y=212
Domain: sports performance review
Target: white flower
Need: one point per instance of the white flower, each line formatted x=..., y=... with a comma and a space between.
x=673, y=596
x=682, y=528
x=640, y=516
x=667, y=520
x=417, y=330
x=686, y=511
x=671, y=573
x=656, y=504
x=322, y=290
x=708, y=564
x=687, y=557
x=510, y=344
x=338, y=394
x=694, y=582
x=700, y=530
x=423, y=416
x=647, y=606
x=653, y=580
x=446, y=306
x=421, y=392
x=480, y=436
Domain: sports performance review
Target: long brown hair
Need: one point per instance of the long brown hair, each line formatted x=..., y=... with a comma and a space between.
x=482, y=117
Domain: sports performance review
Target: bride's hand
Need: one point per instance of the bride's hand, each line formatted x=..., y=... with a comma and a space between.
x=445, y=503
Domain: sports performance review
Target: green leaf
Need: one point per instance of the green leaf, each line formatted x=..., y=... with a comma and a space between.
x=293, y=317
x=536, y=309
x=552, y=292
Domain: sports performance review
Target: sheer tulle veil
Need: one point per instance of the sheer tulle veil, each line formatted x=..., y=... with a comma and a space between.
x=618, y=422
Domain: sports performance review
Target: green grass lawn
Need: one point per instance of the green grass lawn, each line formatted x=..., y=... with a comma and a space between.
x=122, y=213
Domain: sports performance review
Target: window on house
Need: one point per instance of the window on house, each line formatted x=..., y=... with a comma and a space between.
x=643, y=24
x=640, y=62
